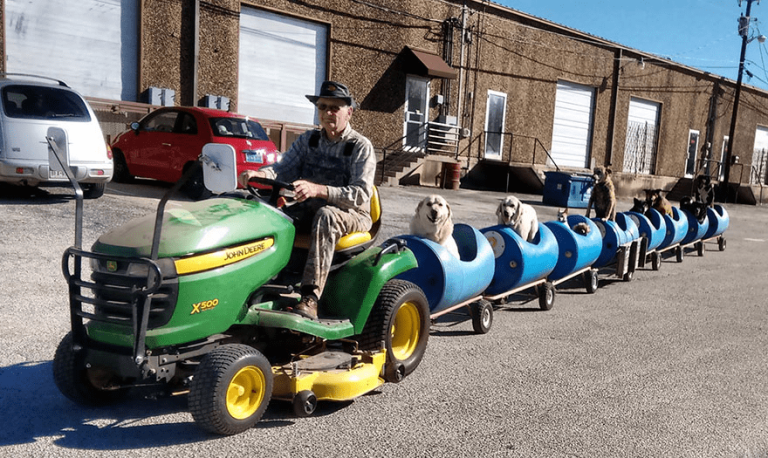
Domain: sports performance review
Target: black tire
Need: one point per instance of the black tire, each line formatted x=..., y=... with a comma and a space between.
x=230, y=389
x=547, y=296
x=679, y=254
x=700, y=248
x=721, y=244
x=195, y=188
x=121, y=173
x=482, y=316
x=655, y=261
x=400, y=319
x=591, y=282
x=304, y=403
x=629, y=275
x=84, y=386
x=93, y=190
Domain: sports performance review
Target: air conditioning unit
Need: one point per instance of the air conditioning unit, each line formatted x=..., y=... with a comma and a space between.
x=216, y=101
x=161, y=96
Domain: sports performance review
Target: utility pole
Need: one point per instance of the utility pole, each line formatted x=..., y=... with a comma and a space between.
x=744, y=32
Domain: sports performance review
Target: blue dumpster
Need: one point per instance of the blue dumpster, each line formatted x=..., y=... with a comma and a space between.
x=567, y=189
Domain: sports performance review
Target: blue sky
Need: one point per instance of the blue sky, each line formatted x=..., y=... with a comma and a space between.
x=698, y=33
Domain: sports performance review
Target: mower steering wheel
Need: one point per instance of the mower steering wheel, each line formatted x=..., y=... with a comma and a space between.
x=277, y=185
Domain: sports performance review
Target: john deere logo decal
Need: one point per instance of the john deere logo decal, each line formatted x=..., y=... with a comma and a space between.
x=111, y=266
x=208, y=261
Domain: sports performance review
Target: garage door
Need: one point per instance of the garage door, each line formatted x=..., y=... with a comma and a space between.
x=572, y=127
x=640, y=143
x=281, y=60
x=89, y=44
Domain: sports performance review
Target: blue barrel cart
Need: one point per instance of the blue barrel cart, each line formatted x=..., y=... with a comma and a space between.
x=621, y=245
x=718, y=220
x=677, y=228
x=577, y=251
x=696, y=230
x=521, y=265
x=652, y=229
x=451, y=283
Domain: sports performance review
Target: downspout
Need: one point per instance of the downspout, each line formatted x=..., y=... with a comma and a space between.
x=462, y=38
x=614, y=105
x=196, y=52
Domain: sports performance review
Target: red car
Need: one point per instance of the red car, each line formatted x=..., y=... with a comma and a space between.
x=167, y=141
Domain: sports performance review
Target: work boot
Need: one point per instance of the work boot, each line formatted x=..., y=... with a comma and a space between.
x=307, y=307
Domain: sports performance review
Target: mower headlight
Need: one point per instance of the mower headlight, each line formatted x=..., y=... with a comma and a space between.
x=137, y=270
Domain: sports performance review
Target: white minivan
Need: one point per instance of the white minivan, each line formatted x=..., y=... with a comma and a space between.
x=31, y=106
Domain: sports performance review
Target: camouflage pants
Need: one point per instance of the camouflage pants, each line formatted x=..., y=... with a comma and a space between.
x=328, y=224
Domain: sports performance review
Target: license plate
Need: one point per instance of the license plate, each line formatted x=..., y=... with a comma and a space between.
x=56, y=174
x=255, y=157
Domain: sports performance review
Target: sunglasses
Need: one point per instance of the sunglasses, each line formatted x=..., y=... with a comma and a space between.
x=331, y=108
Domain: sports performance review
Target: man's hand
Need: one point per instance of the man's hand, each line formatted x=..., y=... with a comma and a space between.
x=246, y=176
x=303, y=190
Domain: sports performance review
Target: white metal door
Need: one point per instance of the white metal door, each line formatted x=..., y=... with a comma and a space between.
x=690, y=156
x=89, y=44
x=720, y=166
x=572, y=126
x=282, y=59
x=415, y=124
x=495, y=114
x=759, y=157
x=640, y=143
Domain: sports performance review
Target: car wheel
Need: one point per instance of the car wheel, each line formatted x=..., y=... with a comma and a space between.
x=121, y=173
x=94, y=190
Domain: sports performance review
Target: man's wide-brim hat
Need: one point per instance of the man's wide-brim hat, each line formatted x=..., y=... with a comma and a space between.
x=333, y=90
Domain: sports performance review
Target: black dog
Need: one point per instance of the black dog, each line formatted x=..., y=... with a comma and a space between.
x=705, y=191
x=697, y=209
x=641, y=206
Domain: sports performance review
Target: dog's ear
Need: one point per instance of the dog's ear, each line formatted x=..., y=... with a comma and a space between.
x=500, y=207
x=448, y=206
x=418, y=207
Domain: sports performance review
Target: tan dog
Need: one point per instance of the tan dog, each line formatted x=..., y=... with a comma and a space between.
x=658, y=202
x=603, y=196
x=519, y=216
x=433, y=221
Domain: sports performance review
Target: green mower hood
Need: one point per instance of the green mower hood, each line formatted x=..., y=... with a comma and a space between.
x=198, y=227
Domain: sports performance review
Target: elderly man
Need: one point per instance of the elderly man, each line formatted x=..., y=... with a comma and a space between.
x=332, y=171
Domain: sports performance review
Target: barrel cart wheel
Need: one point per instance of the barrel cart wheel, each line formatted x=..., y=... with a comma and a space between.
x=591, y=281
x=700, y=248
x=679, y=254
x=482, y=316
x=655, y=260
x=629, y=275
x=547, y=296
x=721, y=243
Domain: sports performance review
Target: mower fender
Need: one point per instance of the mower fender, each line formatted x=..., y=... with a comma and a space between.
x=352, y=290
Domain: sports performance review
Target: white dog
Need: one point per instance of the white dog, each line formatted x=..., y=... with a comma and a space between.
x=519, y=216
x=433, y=221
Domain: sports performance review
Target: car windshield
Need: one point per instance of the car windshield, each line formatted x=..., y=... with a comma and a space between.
x=38, y=102
x=238, y=127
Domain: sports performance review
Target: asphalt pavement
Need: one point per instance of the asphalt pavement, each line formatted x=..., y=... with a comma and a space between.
x=670, y=364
